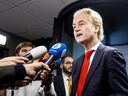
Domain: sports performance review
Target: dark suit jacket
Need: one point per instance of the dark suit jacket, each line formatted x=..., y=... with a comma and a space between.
x=10, y=74
x=107, y=74
x=59, y=85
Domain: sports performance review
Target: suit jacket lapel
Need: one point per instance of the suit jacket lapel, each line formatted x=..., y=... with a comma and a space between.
x=62, y=86
x=76, y=71
x=59, y=83
x=95, y=62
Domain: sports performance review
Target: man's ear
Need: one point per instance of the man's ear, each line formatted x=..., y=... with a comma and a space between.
x=61, y=66
x=97, y=28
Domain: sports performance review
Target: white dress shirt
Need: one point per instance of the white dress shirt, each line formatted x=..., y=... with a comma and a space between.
x=29, y=90
x=65, y=78
x=93, y=48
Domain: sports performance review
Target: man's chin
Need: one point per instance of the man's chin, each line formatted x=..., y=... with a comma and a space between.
x=80, y=41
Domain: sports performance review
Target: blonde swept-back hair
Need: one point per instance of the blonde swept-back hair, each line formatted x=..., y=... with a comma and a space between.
x=96, y=18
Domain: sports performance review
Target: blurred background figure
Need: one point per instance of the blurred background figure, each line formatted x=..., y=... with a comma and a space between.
x=63, y=81
x=21, y=50
x=2, y=92
x=61, y=85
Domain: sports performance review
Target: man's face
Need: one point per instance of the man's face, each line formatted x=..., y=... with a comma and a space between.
x=84, y=29
x=24, y=50
x=67, y=65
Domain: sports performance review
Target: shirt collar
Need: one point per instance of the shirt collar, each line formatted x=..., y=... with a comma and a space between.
x=95, y=47
x=65, y=76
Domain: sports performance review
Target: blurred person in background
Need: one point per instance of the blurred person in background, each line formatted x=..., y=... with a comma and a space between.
x=61, y=83
x=19, y=65
x=21, y=50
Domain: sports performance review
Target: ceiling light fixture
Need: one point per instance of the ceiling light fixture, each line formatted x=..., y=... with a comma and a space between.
x=3, y=39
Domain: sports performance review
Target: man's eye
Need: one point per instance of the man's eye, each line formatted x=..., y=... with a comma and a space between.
x=81, y=23
x=68, y=62
x=24, y=50
x=74, y=27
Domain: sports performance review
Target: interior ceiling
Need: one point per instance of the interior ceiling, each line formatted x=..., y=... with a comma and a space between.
x=30, y=19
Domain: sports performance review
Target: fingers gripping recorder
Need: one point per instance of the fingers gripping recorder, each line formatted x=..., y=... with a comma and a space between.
x=55, y=53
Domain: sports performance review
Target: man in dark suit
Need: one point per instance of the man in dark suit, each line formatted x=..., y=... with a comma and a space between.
x=61, y=81
x=61, y=85
x=106, y=72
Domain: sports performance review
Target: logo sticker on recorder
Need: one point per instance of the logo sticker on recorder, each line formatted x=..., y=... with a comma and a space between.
x=59, y=50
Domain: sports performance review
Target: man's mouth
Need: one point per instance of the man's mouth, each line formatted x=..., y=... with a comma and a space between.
x=78, y=34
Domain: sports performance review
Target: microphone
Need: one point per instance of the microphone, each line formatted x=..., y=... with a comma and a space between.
x=54, y=65
x=36, y=52
x=57, y=51
x=44, y=58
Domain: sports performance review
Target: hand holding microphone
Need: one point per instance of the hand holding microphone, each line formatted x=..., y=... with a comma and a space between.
x=57, y=51
x=31, y=55
x=55, y=64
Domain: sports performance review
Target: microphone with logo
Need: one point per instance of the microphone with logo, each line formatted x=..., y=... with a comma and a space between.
x=57, y=51
x=36, y=52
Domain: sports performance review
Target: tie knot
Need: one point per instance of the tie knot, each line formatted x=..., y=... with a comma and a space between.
x=69, y=79
x=88, y=54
